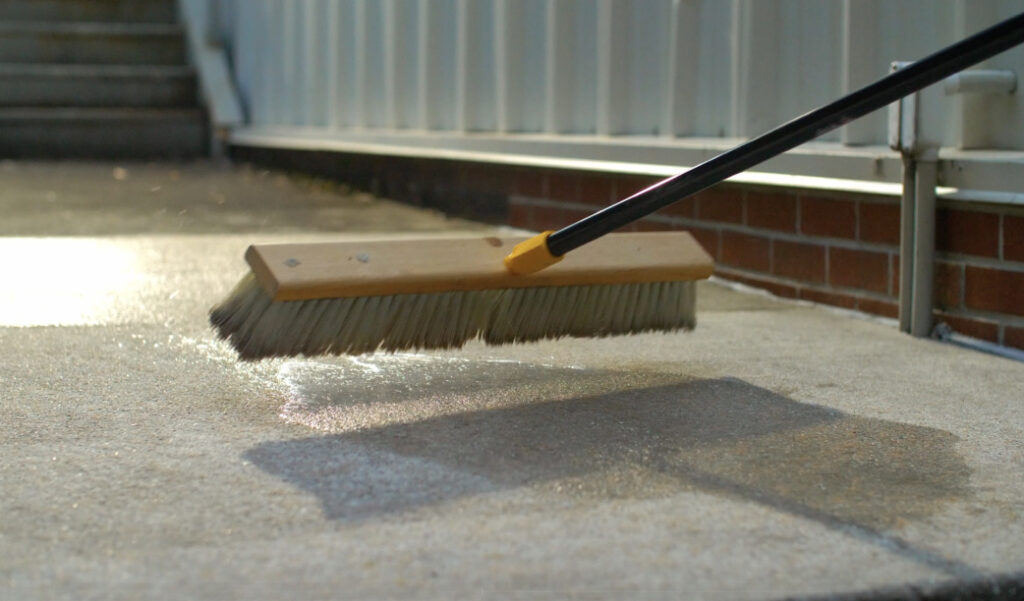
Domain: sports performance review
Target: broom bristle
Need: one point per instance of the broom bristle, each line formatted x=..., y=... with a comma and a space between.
x=257, y=327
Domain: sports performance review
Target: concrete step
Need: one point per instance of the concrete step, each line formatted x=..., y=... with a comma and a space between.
x=97, y=85
x=121, y=11
x=91, y=43
x=102, y=133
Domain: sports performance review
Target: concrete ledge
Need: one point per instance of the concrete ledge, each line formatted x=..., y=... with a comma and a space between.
x=97, y=85
x=134, y=11
x=989, y=176
x=102, y=132
x=91, y=43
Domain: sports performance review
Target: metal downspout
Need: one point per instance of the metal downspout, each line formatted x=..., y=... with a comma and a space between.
x=925, y=171
x=907, y=223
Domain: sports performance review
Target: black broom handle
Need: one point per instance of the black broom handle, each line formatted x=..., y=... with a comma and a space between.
x=894, y=86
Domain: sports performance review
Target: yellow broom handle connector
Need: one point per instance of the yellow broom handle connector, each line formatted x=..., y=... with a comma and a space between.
x=531, y=255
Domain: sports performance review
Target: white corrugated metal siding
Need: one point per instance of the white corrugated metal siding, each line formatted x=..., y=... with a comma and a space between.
x=663, y=73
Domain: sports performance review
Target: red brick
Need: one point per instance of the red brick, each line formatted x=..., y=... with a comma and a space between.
x=827, y=217
x=967, y=232
x=707, y=238
x=470, y=177
x=501, y=179
x=879, y=222
x=748, y=252
x=1013, y=238
x=771, y=211
x=948, y=289
x=520, y=215
x=775, y=287
x=686, y=207
x=646, y=225
x=550, y=218
x=798, y=261
x=894, y=269
x=1013, y=337
x=569, y=216
x=858, y=269
x=573, y=215
x=994, y=290
x=564, y=186
x=720, y=205
x=877, y=307
x=628, y=185
x=435, y=174
x=597, y=190
x=968, y=326
x=474, y=177
x=828, y=298
x=531, y=182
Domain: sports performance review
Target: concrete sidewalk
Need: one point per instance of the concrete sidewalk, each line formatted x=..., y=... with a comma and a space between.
x=779, y=450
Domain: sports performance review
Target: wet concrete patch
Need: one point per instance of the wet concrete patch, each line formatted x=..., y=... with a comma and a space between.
x=346, y=394
x=869, y=472
x=410, y=432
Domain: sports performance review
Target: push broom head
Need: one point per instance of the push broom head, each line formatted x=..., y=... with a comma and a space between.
x=392, y=295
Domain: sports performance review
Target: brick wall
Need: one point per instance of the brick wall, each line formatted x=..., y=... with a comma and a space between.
x=835, y=248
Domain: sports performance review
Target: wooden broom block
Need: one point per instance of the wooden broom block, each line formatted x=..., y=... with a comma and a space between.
x=385, y=267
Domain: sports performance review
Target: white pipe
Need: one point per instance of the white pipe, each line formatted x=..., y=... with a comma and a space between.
x=213, y=23
x=216, y=82
x=945, y=333
x=981, y=81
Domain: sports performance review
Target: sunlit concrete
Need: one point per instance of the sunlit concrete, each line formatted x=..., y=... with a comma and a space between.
x=778, y=450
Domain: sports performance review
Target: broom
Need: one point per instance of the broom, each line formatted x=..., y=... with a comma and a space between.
x=358, y=297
